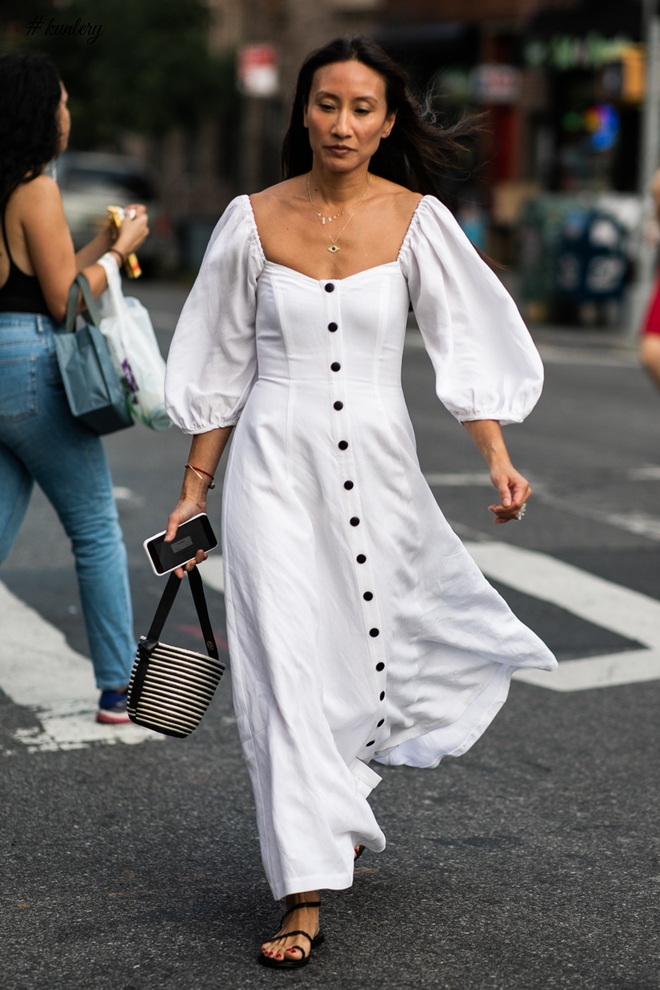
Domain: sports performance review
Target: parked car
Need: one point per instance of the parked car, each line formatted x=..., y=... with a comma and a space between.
x=91, y=181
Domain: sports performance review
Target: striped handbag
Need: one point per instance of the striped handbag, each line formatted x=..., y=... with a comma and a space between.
x=171, y=688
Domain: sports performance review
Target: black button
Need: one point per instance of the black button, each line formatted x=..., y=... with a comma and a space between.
x=374, y=632
x=382, y=695
x=368, y=595
x=360, y=558
x=329, y=287
x=380, y=666
x=343, y=444
x=355, y=521
x=371, y=743
x=335, y=366
x=338, y=405
x=348, y=485
x=332, y=327
x=380, y=723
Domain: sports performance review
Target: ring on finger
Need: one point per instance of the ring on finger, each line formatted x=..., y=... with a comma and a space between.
x=523, y=510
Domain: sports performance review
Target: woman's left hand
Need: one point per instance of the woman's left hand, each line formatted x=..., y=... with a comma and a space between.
x=514, y=491
x=131, y=211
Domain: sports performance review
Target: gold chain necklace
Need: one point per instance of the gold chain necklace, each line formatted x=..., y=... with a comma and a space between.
x=333, y=243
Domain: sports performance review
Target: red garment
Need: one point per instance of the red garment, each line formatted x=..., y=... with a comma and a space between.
x=652, y=321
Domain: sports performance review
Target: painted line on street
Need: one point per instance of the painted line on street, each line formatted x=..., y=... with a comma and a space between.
x=639, y=523
x=604, y=603
x=647, y=472
x=448, y=480
x=40, y=671
x=212, y=573
x=556, y=354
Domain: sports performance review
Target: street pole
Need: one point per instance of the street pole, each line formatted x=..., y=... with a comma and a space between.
x=649, y=161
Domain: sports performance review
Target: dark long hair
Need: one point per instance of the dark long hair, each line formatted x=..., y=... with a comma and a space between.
x=30, y=94
x=418, y=150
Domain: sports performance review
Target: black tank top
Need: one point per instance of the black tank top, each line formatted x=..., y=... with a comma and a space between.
x=21, y=293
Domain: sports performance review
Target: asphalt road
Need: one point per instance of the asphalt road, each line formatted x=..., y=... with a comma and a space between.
x=530, y=862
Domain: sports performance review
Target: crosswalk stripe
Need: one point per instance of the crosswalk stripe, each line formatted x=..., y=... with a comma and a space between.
x=212, y=572
x=39, y=670
x=604, y=603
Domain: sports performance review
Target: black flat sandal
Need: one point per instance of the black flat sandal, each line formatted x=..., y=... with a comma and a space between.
x=358, y=852
x=313, y=942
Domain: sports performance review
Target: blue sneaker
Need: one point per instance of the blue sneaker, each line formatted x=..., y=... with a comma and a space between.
x=112, y=707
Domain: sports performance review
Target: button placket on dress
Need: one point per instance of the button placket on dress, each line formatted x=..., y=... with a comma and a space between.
x=340, y=404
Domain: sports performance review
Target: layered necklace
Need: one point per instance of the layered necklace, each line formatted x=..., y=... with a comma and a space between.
x=326, y=220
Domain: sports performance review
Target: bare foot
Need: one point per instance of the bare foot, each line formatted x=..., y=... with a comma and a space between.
x=302, y=920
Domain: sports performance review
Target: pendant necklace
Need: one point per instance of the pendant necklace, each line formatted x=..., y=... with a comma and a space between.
x=323, y=220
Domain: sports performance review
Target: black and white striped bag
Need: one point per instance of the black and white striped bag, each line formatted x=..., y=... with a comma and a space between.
x=171, y=688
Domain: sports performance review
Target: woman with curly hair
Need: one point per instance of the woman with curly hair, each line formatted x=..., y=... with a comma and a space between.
x=359, y=627
x=39, y=438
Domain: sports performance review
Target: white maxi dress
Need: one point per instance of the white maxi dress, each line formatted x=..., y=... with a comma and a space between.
x=359, y=627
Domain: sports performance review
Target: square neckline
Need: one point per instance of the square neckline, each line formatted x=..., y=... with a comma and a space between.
x=317, y=281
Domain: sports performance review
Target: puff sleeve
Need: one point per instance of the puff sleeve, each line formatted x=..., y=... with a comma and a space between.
x=486, y=365
x=212, y=363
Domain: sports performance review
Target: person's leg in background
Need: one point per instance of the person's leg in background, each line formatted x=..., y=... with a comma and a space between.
x=15, y=489
x=649, y=347
x=69, y=463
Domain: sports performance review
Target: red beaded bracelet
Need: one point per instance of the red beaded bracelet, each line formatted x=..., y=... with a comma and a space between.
x=197, y=472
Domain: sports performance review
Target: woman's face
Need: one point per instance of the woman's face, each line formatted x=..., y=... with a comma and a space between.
x=63, y=120
x=346, y=115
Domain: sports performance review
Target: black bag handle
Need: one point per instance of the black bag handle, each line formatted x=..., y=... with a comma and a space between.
x=165, y=606
x=81, y=284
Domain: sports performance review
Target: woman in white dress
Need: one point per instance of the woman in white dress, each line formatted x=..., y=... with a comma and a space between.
x=359, y=627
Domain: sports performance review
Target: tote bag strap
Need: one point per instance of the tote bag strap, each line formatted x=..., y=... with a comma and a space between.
x=81, y=284
x=167, y=601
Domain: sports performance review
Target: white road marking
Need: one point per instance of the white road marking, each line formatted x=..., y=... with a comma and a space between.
x=122, y=494
x=211, y=572
x=639, y=523
x=40, y=671
x=649, y=472
x=615, y=357
x=623, y=611
x=446, y=480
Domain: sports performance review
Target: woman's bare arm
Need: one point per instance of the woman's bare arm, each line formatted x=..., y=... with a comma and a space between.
x=513, y=488
x=205, y=453
x=50, y=248
x=90, y=253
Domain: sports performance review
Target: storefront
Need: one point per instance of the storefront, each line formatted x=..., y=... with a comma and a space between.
x=585, y=134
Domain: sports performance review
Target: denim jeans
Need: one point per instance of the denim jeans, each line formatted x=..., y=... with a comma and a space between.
x=41, y=441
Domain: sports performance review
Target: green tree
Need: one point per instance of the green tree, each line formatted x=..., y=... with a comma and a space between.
x=148, y=71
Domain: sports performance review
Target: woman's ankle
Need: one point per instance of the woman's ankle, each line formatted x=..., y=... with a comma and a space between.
x=303, y=897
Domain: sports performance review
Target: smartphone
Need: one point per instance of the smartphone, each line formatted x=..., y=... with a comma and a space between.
x=191, y=536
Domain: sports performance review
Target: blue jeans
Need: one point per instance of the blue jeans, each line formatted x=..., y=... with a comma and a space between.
x=41, y=441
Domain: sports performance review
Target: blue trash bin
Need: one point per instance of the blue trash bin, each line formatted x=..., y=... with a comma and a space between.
x=591, y=269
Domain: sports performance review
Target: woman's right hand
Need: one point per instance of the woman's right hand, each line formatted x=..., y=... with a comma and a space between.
x=134, y=229
x=185, y=510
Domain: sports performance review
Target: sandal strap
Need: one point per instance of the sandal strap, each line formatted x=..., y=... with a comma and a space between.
x=296, y=907
x=276, y=938
x=298, y=931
